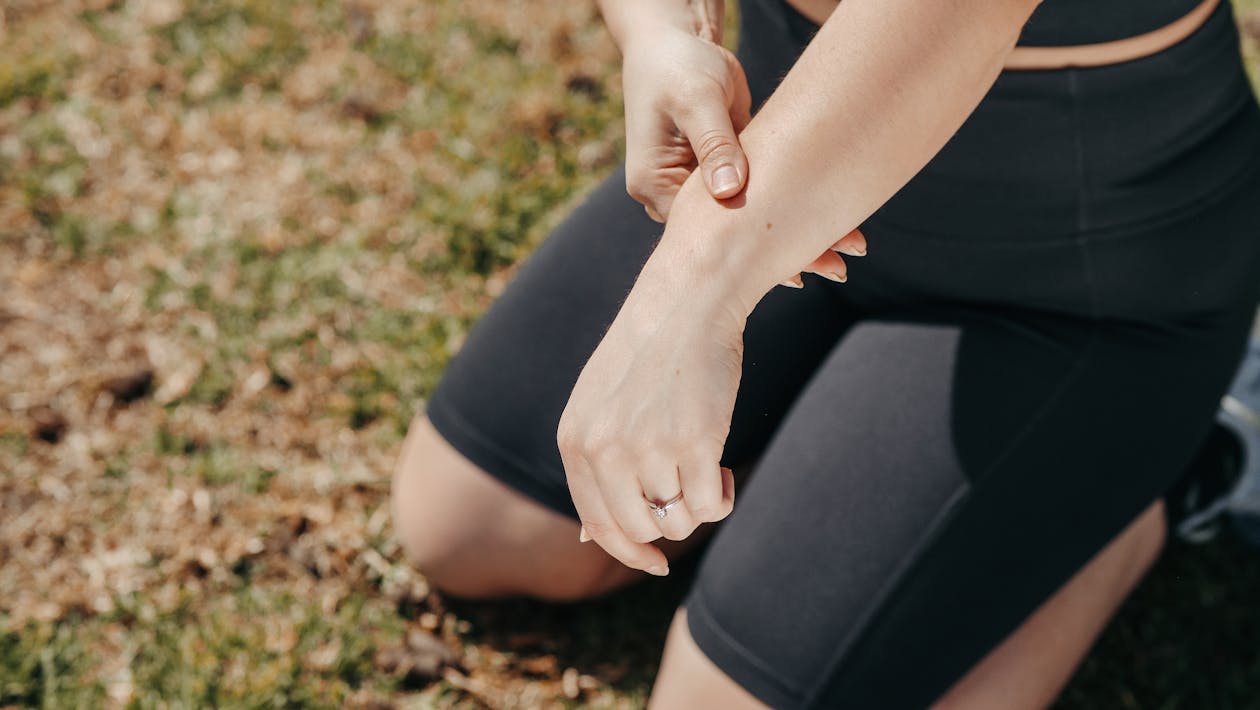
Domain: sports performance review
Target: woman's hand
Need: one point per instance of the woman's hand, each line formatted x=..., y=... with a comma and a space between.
x=648, y=418
x=686, y=100
x=829, y=264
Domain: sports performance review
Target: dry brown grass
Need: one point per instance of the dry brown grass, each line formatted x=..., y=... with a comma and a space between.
x=239, y=240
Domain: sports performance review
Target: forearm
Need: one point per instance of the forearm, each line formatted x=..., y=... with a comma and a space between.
x=877, y=93
x=628, y=20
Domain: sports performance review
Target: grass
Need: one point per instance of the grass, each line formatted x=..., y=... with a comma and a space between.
x=290, y=212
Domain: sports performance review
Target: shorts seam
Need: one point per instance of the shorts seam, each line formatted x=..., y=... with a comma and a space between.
x=937, y=527
x=705, y=618
x=1078, y=154
x=1045, y=406
x=939, y=523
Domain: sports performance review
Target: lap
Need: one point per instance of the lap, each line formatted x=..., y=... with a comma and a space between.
x=938, y=444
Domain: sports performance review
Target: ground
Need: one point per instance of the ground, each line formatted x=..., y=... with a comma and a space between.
x=239, y=239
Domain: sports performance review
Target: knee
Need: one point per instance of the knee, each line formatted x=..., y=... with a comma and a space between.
x=471, y=538
x=425, y=535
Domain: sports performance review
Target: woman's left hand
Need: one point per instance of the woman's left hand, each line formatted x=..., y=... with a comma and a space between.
x=649, y=416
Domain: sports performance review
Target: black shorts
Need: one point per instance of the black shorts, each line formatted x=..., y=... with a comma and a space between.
x=1029, y=356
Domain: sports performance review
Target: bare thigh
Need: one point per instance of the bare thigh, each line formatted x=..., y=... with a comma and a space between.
x=474, y=536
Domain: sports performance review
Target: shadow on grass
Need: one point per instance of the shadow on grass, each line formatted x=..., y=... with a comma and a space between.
x=1188, y=637
x=616, y=638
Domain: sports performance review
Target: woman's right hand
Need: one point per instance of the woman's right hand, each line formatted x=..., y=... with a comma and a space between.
x=686, y=100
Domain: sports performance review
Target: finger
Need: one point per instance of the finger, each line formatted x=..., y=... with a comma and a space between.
x=653, y=155
x=829, y=265
x=728, y=490
x=794, y=282
x=701, y=478
x=599, y=525
x=661, y=483
x=707, y=126
x=663, y=187
x=618, y=481
x=853, y=244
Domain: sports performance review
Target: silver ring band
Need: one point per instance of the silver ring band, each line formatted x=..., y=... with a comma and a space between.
x=662, y=509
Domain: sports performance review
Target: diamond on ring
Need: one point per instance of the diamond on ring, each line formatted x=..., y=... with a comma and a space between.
x=662, y=509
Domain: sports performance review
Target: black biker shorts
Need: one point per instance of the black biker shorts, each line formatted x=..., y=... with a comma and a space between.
x=1028, y=356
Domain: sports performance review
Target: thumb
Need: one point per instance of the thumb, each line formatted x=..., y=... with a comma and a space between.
x=712, y=138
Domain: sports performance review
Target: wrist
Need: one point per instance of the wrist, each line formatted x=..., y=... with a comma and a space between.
x=672, y=301
x=708, y=258
x=644, y=22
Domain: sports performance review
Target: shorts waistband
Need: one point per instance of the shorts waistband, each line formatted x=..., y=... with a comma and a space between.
x=1054, y=152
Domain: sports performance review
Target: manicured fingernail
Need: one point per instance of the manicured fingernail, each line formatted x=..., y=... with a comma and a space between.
x=794, y=282
x=658, y=570
x=725, y=178
x=834, y=276
x=582, y=536
x=851, y=250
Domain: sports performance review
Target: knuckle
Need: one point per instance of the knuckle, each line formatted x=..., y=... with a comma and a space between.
x=656, y=441
x=713, y=144
x=608, y=455
x=705, y=449
x=673, y=441
x=636, y=192
x=639, y=184
x=601, y=446
x=681, y=533
x=566, y=439
x=704, y=512
x=575, y=450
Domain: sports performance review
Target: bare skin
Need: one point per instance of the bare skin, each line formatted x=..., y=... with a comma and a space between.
x=442, y=501
x=887, y=82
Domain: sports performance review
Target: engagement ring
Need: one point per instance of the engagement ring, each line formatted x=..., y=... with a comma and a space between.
x=662, y=509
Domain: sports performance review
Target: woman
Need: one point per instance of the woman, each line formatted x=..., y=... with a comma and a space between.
x=957, y=443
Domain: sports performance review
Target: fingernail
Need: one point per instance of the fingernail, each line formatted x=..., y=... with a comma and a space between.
x=851, y=250
x=582, y=536
x=725, y=178
x=794, y=282
x=658, y=570
x=834, y=276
